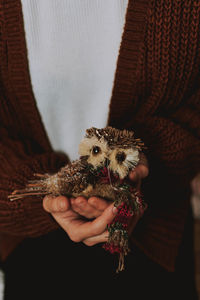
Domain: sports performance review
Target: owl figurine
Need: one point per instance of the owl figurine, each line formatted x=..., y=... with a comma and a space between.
x=106, y=157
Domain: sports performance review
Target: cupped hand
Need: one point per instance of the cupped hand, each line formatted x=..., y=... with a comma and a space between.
x=79, y=229
x=94, y=206
x=73, y=214
x=89, y=208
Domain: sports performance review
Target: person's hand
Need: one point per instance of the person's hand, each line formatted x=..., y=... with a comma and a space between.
x=79, y=229
x=94, y=207
x=89, y=208
x=69, y=212
x=140, y=171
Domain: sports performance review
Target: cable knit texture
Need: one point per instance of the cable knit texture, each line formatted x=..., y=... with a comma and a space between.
x=156, y=93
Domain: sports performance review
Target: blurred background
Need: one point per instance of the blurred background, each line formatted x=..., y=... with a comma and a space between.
x=196, y=209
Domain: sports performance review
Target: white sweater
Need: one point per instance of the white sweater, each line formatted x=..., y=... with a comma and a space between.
x=73, y=47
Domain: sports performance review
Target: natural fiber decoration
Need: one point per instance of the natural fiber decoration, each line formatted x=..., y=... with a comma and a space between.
x=118, y=231
x=106, y=157
x=116, y=137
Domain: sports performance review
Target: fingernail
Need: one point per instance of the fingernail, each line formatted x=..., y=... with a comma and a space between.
x=115, y=210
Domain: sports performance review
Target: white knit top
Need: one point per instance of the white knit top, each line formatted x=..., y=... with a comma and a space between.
x=73, y=47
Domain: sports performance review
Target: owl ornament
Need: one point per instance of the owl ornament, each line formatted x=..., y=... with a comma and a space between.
x=106, y=157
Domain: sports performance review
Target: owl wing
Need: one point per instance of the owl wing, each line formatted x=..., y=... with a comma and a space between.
x=74, y=178
x=68, y=181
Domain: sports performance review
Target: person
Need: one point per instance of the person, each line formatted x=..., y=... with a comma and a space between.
x=61, y=73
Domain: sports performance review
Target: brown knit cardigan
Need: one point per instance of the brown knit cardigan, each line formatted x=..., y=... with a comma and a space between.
x=156, y=92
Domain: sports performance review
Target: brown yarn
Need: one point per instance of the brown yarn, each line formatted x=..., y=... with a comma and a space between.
x=156, y=94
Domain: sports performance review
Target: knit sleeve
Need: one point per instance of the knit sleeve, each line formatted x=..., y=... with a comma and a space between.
x=173, y=139
x=24, y=217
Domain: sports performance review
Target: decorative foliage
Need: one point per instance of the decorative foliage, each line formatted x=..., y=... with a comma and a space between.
x=106, y=157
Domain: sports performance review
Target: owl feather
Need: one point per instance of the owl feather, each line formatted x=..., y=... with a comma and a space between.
x=111, y=148
x=106, y=157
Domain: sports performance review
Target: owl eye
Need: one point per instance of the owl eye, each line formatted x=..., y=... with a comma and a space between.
x=120, y=157
x=96, y=150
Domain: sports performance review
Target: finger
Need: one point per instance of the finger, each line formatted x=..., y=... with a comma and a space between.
x=100, y=238
x=143, y=160
x=79, y=230
x=98, y=203
x=55, y=204
x=140, y=172
x=78, y=203
x=82, y=207
x=133, y=175
x=99, y=225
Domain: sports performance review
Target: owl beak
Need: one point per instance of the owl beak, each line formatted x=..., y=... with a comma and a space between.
x=107, y=162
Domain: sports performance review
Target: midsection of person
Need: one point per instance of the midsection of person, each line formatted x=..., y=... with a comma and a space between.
x=72, y=49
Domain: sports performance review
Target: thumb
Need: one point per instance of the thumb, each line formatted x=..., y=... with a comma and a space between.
x=107, y=217
x=140, y=172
